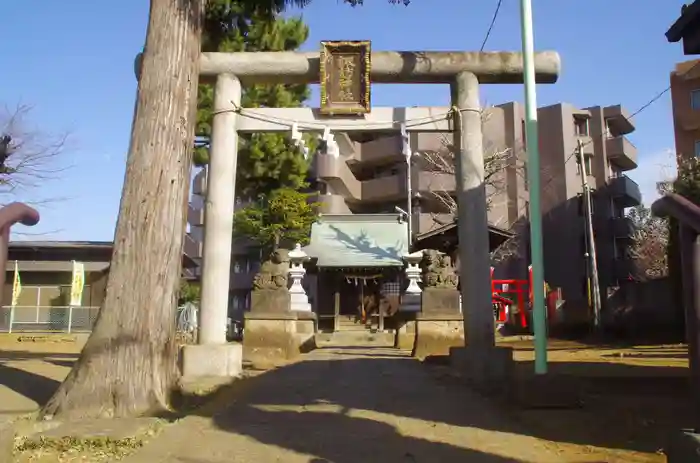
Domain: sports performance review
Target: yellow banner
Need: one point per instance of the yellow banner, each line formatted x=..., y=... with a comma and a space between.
x=77, y=284
x=16, y=286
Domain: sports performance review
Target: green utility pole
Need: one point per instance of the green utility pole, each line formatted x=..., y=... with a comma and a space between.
x=539, y=314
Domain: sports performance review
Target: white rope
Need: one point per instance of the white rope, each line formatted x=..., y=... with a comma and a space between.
x=321, y=125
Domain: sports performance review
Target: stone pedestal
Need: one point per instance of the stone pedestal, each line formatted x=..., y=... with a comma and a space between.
x=683, y=447
x=268, y=301
x=411, y=303
x=273, y=338
x=211, y=360
x=437, y=332
x=306, y=330
x=440, y=301
x=489, y=370
x=406, y=333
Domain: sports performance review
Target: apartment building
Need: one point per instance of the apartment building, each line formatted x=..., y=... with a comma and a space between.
x=370, y=175
x=607, y=155
x=685, y=101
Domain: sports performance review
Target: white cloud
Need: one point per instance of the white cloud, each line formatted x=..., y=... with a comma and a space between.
x=654, y=168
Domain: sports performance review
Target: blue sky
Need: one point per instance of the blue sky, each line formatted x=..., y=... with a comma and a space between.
x=72, y=61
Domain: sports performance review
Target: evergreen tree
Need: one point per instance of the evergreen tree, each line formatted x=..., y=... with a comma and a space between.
x=283, y=218
x=266, y=161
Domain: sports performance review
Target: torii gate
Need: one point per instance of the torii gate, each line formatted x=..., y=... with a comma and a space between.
x=464, y=71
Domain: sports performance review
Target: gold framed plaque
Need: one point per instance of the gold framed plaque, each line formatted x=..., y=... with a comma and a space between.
x=345, y=77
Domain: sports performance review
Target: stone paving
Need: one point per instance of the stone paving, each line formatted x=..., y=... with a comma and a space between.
x=347, y=405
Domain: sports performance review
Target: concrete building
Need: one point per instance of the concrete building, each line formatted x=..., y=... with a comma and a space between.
x=45, y=269
x=369, y=176
x=685, y=100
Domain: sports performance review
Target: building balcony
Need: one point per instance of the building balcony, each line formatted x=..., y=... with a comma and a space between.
x=195, y=216
x=621, y=152
x=619, y=120
x=625, y=191
x=192, y=247
x=199, y=184
x=340, y=180
x=330, y=204
x=623, y=228
x=381, y=150
x=334, y=171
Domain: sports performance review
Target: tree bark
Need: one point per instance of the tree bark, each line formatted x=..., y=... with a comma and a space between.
x=128, y=366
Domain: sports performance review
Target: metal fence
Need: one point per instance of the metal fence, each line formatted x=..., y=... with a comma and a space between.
x=62, y=319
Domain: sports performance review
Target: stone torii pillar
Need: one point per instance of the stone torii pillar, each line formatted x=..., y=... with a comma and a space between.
x=464, y=71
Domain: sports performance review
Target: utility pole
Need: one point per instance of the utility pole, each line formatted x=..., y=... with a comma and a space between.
x=539, y=313
x=406, y=148
x=591, y=257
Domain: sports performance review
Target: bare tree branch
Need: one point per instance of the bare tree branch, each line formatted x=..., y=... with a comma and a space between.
x=32, y=157
x=498, y=159
x=442, y=161
x=649, y=243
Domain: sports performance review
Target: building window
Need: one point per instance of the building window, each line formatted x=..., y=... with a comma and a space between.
x=581, y=126
x=241, y=264
x=695, y=99
x=586, y=165
x=523, y=128
x=526, y=183
x=253, y=264
x=608, y=129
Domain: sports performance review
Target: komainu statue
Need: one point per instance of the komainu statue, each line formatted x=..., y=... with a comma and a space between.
x=273, y=274
x=438, y=271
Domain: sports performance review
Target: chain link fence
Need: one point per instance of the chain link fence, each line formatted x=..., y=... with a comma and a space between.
x=62, y=319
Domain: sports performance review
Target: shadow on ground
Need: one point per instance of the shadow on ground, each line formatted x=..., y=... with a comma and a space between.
x=345, y=409
x=32, y=385
x=379, y=405
x=639, y=406
x=341, y=438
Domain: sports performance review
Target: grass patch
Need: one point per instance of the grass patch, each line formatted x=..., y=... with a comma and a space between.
x=78, y=449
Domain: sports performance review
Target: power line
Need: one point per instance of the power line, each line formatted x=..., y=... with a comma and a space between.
x=641, y=109
x=604, y=135
x=493, y=22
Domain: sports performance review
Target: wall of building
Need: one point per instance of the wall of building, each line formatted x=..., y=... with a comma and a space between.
x=686, y=121
x=45, y=289
x=370, y=177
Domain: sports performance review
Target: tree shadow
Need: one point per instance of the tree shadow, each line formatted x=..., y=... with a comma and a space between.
x=30, y=385
x=339, y=438
x=33, y=386
x=364, y=245
x=361, y=409
x=639, y=405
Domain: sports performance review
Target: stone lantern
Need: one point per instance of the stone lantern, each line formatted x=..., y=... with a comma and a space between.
x=411, y=301
x=299, y=299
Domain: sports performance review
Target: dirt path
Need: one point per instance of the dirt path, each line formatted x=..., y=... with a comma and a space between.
x=348, y=406
x=30, y=373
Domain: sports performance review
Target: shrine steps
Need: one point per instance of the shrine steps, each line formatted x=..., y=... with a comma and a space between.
x=355, y=338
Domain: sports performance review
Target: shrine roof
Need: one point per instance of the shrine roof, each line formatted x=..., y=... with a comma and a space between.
x=358, y=240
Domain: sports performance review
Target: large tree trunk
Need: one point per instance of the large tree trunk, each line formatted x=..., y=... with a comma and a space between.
x=128, y=366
